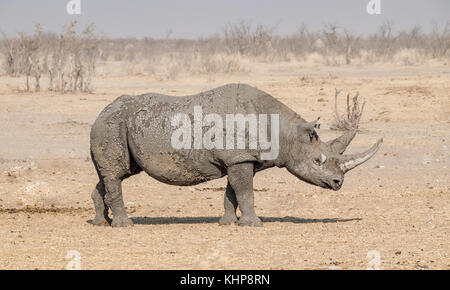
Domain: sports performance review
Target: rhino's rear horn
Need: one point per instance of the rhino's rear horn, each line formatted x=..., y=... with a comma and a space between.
x=348, y=162
x=341, y=143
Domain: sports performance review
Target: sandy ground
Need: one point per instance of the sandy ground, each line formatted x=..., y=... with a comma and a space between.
x=395, y=209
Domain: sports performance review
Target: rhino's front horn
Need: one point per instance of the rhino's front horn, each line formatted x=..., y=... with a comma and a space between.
x=341, y=143
x=348, y=162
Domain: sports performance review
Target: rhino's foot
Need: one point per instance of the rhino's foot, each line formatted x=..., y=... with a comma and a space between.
x=101, y=221
x=121, y=222
x=252, y=221
x=227, y=220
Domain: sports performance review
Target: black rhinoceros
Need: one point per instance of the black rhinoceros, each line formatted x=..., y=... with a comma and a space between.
x=234, y=130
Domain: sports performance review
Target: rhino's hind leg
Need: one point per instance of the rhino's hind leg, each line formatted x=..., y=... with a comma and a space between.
x=114, y=199
x=111, y=157
x=101, y=209
x=240, y=177
x=230, y=205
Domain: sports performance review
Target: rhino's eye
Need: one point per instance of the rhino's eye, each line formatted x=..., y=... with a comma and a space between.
x=320, y=159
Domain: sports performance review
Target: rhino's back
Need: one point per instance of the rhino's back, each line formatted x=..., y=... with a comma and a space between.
x=149, y=116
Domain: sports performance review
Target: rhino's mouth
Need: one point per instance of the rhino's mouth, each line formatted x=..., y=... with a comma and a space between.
x=326, y=185
x=329, y=186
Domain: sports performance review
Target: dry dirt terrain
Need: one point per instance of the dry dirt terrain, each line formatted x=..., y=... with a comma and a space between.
x=393, y=212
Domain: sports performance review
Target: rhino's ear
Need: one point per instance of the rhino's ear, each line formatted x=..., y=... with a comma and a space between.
x=309, y=129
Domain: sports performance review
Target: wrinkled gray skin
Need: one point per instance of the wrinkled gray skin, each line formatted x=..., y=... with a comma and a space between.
x=134, y=133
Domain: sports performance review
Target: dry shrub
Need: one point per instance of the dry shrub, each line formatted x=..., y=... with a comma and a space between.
x=173, y=71
x=408, y=56
x=69, y=59
x=23, y=56
x=72, y=58
x=244, y=39
x=220, y=64
x=349, y=120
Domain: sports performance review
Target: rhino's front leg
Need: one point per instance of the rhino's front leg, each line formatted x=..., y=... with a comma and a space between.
x=240, y=177
x=230, y=204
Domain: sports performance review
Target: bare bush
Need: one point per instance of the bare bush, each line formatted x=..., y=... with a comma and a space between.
x=23, y=56
x=69, y=59
x=382, y=43
x=439, y=41
x=351, y=46
x=71, y=63
x=243, y=39
x=12, y=50
x=350, y=119
x=338, y=45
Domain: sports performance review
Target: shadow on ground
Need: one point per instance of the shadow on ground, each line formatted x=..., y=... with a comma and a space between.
x=209, y=220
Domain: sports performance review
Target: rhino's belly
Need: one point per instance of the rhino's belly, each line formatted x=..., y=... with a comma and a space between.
x=174, y=169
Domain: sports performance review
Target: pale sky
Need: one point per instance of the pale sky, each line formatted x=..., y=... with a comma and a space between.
x=196, y=18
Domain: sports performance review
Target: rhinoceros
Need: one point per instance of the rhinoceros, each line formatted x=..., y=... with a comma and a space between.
x=169, y=139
